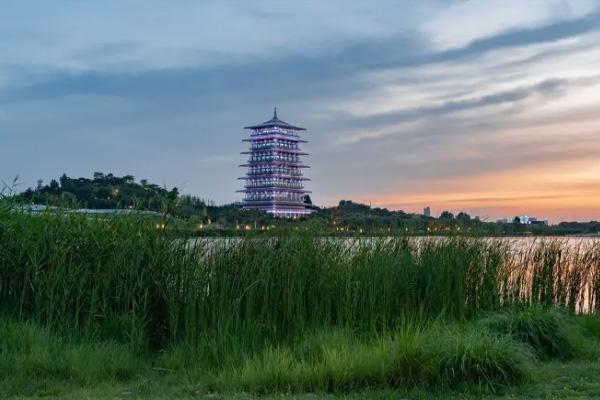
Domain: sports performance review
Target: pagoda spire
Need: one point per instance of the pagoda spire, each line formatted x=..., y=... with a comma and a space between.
x=275, y=113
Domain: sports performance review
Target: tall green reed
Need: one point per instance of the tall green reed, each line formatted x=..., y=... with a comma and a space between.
x=121, y=278
x=88, y=276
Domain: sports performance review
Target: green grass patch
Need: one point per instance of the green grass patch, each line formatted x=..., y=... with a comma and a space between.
x=439, y=356
x=31, y=358
x=591, y=324
x=542, y=329
x=551, y=333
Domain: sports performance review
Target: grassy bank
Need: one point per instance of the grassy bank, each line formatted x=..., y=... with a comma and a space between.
x=87, y=302
x=483, y=356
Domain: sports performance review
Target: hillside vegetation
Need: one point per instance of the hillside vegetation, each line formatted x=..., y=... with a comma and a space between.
x=106, y=191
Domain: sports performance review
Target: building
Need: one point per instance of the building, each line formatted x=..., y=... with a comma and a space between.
x=524, y=219
x=274, y=182
x=427, y=211
x=535, y=221
x=527, y=220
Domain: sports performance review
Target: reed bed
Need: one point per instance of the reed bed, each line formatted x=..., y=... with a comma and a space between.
x=229, y=303
x=124, y=279
x=552, y=272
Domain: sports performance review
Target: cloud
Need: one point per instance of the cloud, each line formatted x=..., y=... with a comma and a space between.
x=510, y=96
x=460, y=24
x=74, y=37
x=397, y=99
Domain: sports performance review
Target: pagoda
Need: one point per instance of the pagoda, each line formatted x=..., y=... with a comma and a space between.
x=274, y=181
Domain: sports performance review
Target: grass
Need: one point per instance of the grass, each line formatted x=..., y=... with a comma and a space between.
x=548, y=332
x=32, y=358
x=286, y=314
x=443, y=356
x=442, y=359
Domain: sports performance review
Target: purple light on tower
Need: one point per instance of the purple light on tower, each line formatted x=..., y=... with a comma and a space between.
x=274, y=181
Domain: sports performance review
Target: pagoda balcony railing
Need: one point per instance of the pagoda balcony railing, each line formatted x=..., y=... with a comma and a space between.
x=274, y=185
x=268, y=142
x=274, y=150
x=291, y=159
x=283, y=136
x=274, y=175
x=272, y=136
x=275, y=181
x=273, y=171
x=273, y=130
x=271, y=202
x=274, y=163
x=299, y=192
x=273, y=198
x=271, y=145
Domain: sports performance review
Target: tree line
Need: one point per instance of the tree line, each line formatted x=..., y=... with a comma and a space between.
x=107, y=191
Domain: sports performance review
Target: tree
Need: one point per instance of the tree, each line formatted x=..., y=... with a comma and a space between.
x=446, y=216
x=103, y=193
x=54, y=187
x=68, y=199
x=63, y=180
x=173, y=193
x=98, y=176
x=463, y=217
x=28, y=194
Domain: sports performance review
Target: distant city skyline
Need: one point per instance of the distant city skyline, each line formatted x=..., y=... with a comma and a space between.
x=488, y=107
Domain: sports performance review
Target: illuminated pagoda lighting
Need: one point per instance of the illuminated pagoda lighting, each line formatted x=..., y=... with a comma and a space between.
x=274, y=180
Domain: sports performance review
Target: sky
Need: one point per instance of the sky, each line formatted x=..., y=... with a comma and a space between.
x=490, y=107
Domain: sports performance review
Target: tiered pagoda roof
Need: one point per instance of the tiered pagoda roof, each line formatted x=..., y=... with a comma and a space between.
x=275, y=122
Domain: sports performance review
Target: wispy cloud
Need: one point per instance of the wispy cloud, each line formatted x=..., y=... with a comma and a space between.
x=459, y=24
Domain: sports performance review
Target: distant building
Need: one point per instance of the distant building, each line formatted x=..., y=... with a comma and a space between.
x=274, y=180
x=427, y=211
x=538, y=222
x=527, y=220
x=40, y=209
